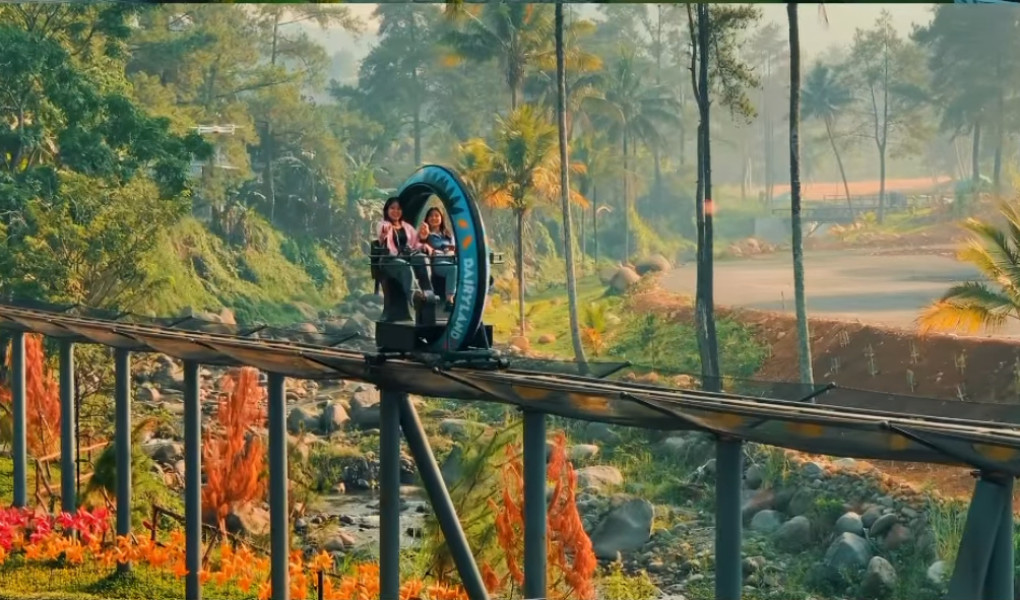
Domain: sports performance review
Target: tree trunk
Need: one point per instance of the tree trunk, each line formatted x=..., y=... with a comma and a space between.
x=568, y=241
x=839, y=159
x=704, y=296
x=626, y=202
x=975, y=163
x=881, y=184
x=767, y=138
x=803, y=334
x=520, y=268
x=417, y=136
x=595, y=224
x=1000, y=128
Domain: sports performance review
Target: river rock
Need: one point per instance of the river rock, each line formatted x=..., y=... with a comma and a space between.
x=599, y=477
x=365, y=407
x=793, y=535
x=766, y=521
x=582, y=452
x=882, y=525
x=848, y=552
x=754, y=477
x=333, y=418
x=625, y=529
x=879, y=578
x=937, y=572
x=850, y=522
x=299, y=420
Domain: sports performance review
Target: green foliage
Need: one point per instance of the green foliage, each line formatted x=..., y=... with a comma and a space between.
x=325, y=465
x=259, y=285
x=620, y=586
x=39, y=581
x=62, y=116
x=90, y=244
x=947, y=519
x=652, y=341
x=477, y=462
x=824, y=513
x=147, y=488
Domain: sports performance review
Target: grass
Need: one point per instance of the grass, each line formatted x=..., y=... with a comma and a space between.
x=275, y=280
x=647, y=340
x=546, y=313
x=7, y=480
x=897, y=223
x=42, y=581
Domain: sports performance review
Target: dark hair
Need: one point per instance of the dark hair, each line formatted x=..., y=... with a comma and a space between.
x=386, y=207
x=442, y=224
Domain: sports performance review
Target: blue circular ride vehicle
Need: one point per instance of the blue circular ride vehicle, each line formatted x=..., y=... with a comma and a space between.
x=439, y=265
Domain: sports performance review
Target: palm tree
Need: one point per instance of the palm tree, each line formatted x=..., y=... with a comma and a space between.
x=824, y=97
x=568, y=238
x=637, y=113
x=970, y=307
x=522, y=168
x=593, y=151
x=515, y=34
x=584, y=80
x=803, y=335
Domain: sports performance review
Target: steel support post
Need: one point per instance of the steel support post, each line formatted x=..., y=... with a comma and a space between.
x=278, y=483
x=729, y=474
x=19, y=420
x=439, y=497
x=389, y=495
x=979, y=541
x=999, y=581
x=192, y=481
x=122, y=443
x=535, y=505
x=68, y=427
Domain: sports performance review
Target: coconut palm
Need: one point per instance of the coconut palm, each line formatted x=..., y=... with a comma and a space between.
x=637, y=113
x=515, y=34
x=972, y=306
x=593, y=151
x=522, y=170
x=564, y=160
x=824, y=97
x=584, y=80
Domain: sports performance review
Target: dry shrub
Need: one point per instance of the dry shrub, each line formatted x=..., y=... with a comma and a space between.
x=42, y=400
x=232, y=453
x=571, y=558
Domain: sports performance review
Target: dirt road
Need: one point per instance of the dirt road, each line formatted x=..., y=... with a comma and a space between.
x=879, y=288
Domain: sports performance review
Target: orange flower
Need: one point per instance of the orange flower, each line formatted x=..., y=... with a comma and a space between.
x=322, y=562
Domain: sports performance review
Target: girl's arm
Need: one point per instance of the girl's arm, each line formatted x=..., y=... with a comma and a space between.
x=413, y=239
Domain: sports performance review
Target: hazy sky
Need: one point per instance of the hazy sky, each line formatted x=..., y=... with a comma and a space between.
x=815, y=35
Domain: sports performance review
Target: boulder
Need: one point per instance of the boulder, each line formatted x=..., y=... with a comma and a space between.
x=655, y=263
x=599, y=477
x=879, y=578
x=766, y=521
x=365, y=407
x=333, y=418
x=625, y=529
x=793, y=535
x=624, y=279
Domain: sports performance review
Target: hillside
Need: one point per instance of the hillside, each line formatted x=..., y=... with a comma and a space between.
x=267, y=278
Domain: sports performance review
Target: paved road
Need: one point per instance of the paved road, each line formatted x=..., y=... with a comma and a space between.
x=888, y=289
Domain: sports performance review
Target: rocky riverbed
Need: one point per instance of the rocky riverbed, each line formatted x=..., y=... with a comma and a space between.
x=836, y=526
